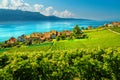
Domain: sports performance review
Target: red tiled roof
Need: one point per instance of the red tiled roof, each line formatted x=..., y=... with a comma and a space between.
x=66, y=32
x=115, y=23
x=47, y=35
x=53, y=32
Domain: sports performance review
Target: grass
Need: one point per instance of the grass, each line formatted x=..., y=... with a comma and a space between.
x=102, y=39
x=96, y=39
x=38, y=47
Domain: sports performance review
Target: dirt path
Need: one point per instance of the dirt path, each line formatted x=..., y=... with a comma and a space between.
x=114, y=31
x=51, y=46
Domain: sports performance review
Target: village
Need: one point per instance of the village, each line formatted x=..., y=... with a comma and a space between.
x=38, y=37
x=113, y=24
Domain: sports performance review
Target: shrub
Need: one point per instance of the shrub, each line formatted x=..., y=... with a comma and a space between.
x=63, y=37
x=96, y=64
x=3, y=60
x=77, y=30
x=57, y=38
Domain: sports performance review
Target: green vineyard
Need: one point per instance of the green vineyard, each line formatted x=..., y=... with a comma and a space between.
x=94, y=58
x=83, y=64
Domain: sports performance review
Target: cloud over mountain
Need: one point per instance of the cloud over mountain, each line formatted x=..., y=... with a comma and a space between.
x=21, y=5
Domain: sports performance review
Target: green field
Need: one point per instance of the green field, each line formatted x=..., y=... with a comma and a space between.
x=101, y=39
x=37, y=47
x=96, y=39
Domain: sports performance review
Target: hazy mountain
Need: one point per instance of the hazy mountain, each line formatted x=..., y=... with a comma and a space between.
x=18, y=15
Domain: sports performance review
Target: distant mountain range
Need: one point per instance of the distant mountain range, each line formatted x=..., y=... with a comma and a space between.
x=18, y=15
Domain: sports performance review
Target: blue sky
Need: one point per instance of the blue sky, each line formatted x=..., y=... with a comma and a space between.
x=93, y=9
x=88, y=9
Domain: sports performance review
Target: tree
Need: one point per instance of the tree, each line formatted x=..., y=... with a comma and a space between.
x=57, y=38
x=30, y=42
x=82, y=28
x=77, y=30
x=63, y=37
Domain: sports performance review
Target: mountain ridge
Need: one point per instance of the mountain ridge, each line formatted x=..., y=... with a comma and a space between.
x=19, y=15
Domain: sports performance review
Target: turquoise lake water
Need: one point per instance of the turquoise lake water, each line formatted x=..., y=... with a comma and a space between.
x=15, y=29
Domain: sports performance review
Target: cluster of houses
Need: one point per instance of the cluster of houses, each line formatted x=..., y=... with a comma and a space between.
x=47, y=36
x=112, y=24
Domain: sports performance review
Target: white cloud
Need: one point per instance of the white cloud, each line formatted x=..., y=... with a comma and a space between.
x=15, y=4
x=38, y=8
x=48, y=11
x=65, y=13
x=21, y=5
x=4, y=4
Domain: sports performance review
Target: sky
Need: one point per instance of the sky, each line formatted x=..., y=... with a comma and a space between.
x=87, y=9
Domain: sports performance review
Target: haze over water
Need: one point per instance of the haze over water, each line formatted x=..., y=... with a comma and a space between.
x=15, y=29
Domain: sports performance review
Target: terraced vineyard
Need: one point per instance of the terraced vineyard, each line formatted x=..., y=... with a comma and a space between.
x=117, y=29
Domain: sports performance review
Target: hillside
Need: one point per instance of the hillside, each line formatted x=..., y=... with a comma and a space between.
x=96, y=58
x=18, y=15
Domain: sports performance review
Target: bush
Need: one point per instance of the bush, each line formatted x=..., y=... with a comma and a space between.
x=57, y=38
x=3, y=60
x=96, y=64
x=77, y=30
x=63, y=37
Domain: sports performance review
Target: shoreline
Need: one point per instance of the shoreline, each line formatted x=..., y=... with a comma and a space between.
x=29, y=27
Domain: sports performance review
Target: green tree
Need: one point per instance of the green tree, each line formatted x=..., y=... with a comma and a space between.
x=82, y=28
x=63, y=37
x=77, y=30
x=30, y=42
x=57, y=38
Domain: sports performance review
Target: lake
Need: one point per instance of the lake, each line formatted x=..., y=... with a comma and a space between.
x=15, y=29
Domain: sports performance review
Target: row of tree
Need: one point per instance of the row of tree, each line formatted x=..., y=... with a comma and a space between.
x=76, y=33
